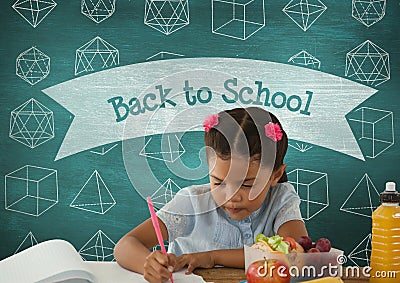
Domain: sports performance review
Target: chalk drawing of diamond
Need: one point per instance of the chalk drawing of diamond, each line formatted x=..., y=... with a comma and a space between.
x=300, y=146
x=98, y=10
x=95, y=55
x=361, y=254
x=368, y=63
x=166, y=16
x=27, y=242
x=368, y=12
x=304, y=12
x=103, y=150
x=94, y=196
x=34, y=11
x=165, y=193
x=303, y=58
x=163, y=56
x=163, y=147
x=32, y=124
x=98, y=248
x=363, y=200
x=32, y=65
x=31, y=190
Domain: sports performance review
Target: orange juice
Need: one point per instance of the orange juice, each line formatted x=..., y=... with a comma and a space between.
x=385, y=254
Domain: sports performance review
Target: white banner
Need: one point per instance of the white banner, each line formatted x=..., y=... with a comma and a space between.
x=311, y=105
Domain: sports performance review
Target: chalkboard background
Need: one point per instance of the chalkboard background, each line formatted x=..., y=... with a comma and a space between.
x=65, y=29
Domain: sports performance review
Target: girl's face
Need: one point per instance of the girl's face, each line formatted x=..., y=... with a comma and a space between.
x=233, y=179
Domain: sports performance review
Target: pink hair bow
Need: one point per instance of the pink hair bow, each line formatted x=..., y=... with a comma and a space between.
x=210, y=122
x=273, y=131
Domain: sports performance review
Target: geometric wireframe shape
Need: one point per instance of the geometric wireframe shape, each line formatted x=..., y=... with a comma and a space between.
x=162, y=55
x=165, y=193
x=373, y=129
x=302, y=147
x=98, y=248
x=303, y=58
x=238, y=19
x=368, y=63
x=94, y=55
x=32, y=65
x=31, y=190
x=158, y=247
x=164, y=148
x=363, y=200
x=166, y=16
x=34, y=11
x=27, y=242
x=304, y=12
x=312, y=188
x=94, y=196
x=98, y=10
x=103, y=150
x=361, y=254
x=368, y=12
x=31, y=123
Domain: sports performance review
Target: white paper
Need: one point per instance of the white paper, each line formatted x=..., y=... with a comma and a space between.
x=58, y=261
x=50, y=261
x=111, y=272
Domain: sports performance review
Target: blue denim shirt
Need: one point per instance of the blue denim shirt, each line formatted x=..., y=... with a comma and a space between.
x=196, y=224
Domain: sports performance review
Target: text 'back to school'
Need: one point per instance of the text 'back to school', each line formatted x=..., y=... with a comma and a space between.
x=257, y=95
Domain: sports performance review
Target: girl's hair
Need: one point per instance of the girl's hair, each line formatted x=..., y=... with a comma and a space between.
x=224, y=138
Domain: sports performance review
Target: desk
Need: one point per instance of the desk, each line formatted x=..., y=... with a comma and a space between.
x=111, y=272
x=233, y=275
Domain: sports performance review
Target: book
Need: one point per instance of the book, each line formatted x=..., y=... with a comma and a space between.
x=58, y=261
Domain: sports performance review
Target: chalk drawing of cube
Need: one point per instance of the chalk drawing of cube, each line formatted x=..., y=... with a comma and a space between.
x=238, y=19
x=313, y=190
x=373, y=128
x=31, y=190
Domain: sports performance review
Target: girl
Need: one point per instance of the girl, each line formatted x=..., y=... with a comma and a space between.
x=248, y=194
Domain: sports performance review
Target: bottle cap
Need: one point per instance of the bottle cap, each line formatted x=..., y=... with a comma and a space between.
x=390, y=187
x=390, y=195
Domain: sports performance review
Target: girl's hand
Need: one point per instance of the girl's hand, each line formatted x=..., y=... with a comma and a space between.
x=203, y=259
x=158, y=267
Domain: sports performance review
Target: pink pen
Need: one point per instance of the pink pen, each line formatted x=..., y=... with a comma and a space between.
x=156, y=226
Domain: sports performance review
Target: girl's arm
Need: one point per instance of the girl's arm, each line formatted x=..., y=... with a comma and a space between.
x=293, y=228
x=228, y=258
x=132, y=249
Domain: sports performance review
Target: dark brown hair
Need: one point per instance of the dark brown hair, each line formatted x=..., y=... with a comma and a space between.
x=227, y=136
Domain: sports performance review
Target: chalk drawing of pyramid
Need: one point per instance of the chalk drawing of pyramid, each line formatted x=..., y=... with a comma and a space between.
x=165, y=148
x=363, y=200
x=29, y=241
x=103, y=150
x=94, y=196
x=361, y=254
x=163, y=55
x=302, y=147
x=99, y=248
x=165, y=193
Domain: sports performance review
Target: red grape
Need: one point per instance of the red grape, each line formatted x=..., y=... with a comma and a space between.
x=323, y=244
x=313, y=250
x=305, y=242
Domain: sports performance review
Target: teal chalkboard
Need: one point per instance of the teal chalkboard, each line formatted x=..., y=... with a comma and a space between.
x=332, y=41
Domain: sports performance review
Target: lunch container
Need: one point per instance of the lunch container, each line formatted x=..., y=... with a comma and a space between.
x=302, y=266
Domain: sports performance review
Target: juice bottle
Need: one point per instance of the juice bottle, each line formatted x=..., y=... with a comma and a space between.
x=385, y=254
